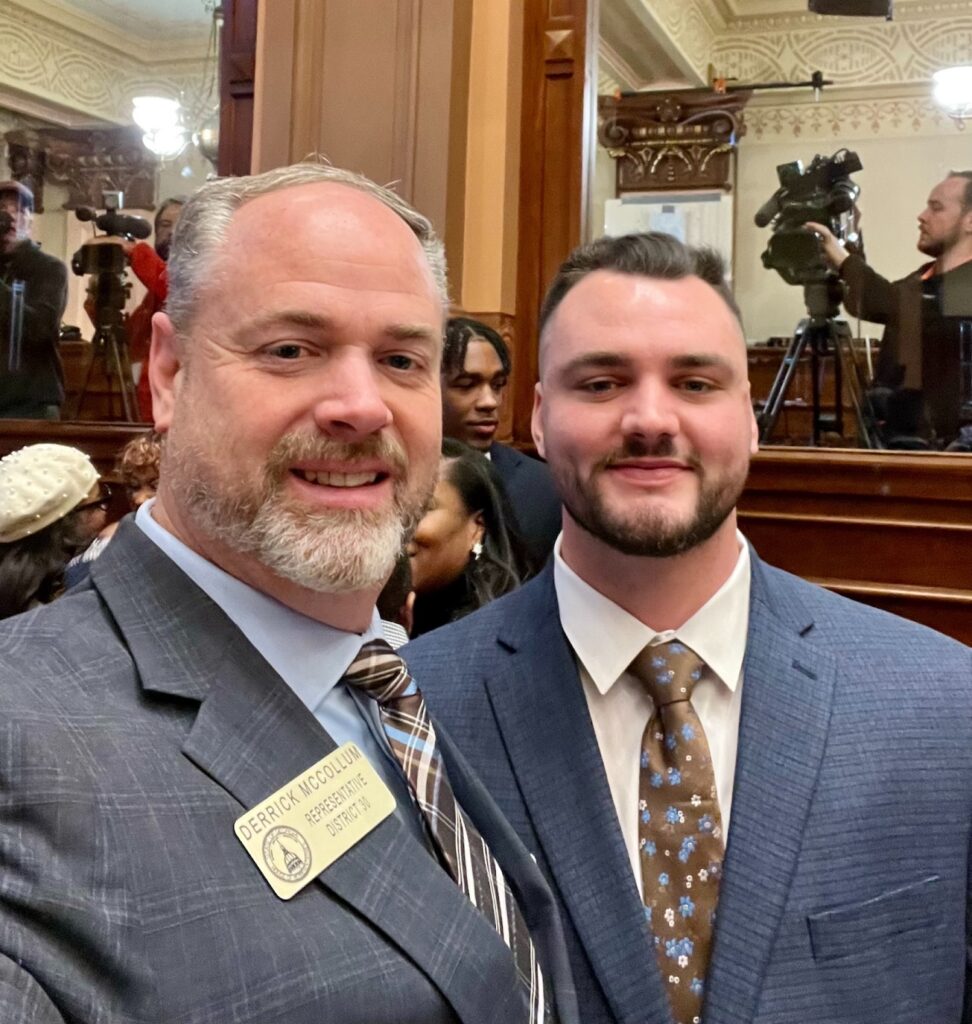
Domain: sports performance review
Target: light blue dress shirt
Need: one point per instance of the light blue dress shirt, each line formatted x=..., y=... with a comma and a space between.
x=309, y=656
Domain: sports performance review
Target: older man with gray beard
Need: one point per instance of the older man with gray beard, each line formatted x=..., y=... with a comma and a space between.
x=221, y=795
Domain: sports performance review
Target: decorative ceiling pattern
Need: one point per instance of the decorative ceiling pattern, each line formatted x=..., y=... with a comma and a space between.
x=852, y=55
x=692, y=26
x=44, y=60
x=881, y=70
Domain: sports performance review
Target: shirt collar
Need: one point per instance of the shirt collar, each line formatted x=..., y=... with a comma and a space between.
x=606, y=638
x=309, y=656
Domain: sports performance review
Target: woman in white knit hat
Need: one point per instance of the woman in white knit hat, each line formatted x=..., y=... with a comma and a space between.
x=51, y=504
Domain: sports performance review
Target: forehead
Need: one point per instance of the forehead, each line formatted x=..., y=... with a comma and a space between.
x=170, y=214
x=949, y=190
x=481, y=358
x=10, y=201
x=324, y=234
x=635, y=316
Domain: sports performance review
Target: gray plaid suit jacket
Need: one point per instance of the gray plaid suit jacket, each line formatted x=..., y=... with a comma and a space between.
x=136, y=723
x=845, y=895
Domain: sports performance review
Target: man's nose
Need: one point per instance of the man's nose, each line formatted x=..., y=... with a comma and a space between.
x=352, y=404
x=487, y=399
x=650, y=412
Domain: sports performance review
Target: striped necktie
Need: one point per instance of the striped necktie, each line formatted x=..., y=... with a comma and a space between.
x=380, y=674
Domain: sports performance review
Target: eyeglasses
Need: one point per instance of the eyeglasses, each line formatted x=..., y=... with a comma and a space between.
x=102, y=501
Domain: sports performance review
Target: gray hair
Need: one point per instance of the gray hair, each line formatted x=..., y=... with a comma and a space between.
x=652, y=254
x=206, y=216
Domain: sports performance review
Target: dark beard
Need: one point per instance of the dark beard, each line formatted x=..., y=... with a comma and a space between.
x=651, y=536
x=162, y=250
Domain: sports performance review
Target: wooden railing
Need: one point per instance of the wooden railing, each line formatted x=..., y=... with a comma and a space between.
x=893, y=530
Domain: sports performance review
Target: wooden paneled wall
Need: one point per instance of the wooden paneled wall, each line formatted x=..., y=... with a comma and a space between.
x=552, y=148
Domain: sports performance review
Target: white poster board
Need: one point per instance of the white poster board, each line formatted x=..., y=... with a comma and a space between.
x=696, y=218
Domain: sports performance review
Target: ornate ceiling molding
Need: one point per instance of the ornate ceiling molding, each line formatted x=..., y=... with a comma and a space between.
x=40, y=58
x=855, y=52
x=693, y=26
x=87, y=162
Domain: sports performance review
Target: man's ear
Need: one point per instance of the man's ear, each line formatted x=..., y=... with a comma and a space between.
x=753, y=423
x=536, y=426
x=165, y=371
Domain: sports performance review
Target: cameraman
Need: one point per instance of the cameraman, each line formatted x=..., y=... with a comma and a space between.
x=920, y=349
x=33, y=294
x=149, y=266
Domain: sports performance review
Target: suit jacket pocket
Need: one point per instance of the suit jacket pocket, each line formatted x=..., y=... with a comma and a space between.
x=857, y=927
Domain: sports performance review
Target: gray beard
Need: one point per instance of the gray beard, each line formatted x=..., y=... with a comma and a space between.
x=326, y=551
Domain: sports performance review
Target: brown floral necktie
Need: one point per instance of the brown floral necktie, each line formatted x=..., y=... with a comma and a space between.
x=679, y=826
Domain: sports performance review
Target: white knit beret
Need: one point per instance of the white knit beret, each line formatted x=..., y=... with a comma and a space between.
x=40, y=484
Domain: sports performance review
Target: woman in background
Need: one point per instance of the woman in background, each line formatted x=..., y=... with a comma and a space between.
x=465, y=551
x=51, y=505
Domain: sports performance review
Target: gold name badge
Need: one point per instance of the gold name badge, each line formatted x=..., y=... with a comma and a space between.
x=306, y=825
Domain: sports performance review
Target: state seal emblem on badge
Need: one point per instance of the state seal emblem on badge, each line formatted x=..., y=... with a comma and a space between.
x=287, y=854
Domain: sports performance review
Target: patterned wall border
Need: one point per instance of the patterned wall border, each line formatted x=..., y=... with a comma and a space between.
x=846, y=117
x=41, y=58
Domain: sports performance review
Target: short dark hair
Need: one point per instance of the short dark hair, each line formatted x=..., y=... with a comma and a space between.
x=967, y=194
x=651, y=254
x=460, y=330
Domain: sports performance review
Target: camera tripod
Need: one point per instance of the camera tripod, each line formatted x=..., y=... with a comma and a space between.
x=826, y=337
x=109, y=346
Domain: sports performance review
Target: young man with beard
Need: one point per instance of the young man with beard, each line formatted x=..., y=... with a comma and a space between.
x=924, y=311
x=227, y=642
x=751, y=796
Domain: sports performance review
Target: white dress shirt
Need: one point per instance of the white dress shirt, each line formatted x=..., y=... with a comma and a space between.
x=606, y=639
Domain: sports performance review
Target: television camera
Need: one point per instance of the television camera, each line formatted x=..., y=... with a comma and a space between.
x=823, y=193
x=104, y=260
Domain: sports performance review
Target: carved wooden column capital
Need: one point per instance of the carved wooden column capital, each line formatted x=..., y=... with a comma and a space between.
x=88, y=162
x=680, y=140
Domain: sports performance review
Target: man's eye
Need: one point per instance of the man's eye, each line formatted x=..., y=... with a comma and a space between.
x=286, y=350
x=598, y=387
x=400, y=362
x=699, y=387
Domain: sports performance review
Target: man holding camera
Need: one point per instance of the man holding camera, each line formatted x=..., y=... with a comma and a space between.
x=33, y=294
x=148, y=263
x=923, y=311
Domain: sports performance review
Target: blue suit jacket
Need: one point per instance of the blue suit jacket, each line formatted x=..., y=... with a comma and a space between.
x=533, y=497
x=845, y=891
x=136, y=723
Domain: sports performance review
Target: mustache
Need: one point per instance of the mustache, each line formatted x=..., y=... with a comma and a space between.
x=637, y=447
x=296, y=447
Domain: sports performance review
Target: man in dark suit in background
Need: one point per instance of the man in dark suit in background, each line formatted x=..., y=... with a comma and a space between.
x=475, y=372
x=227, y=641
x=33, y=294
x=751, y=796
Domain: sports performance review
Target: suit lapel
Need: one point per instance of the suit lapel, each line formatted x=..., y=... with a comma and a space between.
x=786, y=705
x=252, y=735
x=540, y=709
